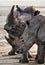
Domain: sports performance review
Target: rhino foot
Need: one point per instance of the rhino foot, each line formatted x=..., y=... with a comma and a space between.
x=24, y=60
x=40, y=61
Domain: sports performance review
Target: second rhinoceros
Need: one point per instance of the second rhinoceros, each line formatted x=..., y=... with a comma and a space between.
x=35, y=28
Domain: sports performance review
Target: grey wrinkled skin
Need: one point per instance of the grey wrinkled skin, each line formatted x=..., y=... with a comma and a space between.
x=15, y=28
x=36, y=33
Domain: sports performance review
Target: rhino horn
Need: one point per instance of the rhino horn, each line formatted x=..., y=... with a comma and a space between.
x=12, y=9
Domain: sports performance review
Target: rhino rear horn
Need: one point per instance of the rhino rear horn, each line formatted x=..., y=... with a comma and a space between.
x=12, y=9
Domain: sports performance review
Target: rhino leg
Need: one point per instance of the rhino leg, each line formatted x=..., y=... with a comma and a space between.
x=24, y=58
x=40, y=59
x=29, y=55
x=36, y=57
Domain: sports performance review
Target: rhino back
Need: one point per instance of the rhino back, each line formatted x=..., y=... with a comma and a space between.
x=35, y=23
x=37, y=27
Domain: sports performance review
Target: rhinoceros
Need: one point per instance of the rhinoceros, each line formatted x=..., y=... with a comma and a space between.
x=14, y=31
x=15, y=28
x=35, y=28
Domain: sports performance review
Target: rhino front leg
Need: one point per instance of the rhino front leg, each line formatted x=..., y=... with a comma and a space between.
x=40, y=59
x=24, y=58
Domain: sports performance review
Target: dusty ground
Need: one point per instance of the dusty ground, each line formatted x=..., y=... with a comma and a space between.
x=14, y=60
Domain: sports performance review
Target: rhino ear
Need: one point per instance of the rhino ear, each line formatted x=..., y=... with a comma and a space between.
x=28, y=22
x=36, y=12
x=12, y=9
